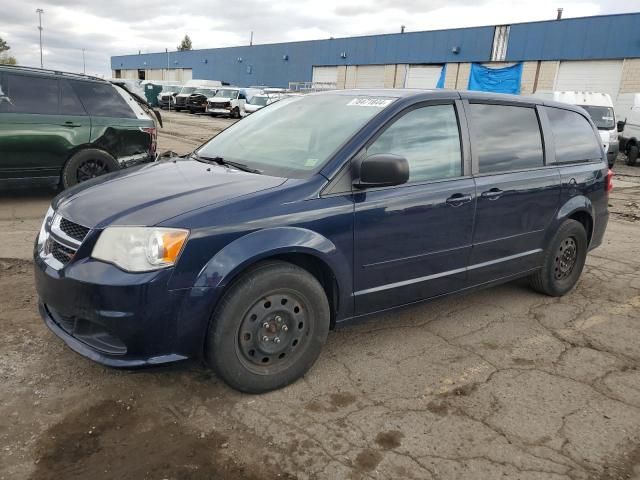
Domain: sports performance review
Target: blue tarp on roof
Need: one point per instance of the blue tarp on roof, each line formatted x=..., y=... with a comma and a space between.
x=499, y=80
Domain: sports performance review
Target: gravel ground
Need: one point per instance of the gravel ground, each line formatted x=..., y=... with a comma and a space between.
x=502, y=383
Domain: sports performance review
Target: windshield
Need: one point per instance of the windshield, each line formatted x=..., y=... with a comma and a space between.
x=259, y=101
x=226, y=93
x=188, y=90
x=296, y=136
x=205, y=91
x=602, y=116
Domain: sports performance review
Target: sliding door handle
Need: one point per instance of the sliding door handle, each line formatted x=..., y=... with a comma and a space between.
x=492, y=194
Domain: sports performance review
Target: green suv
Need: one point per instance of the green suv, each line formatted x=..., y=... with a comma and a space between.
x=61, y=128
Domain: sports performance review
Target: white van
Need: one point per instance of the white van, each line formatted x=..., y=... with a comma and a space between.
x=230, y=101
x=190, y=87
x=629, y=128
x=599, y=106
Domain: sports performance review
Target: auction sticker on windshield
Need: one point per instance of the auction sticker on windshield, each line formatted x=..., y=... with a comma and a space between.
x=370, y=102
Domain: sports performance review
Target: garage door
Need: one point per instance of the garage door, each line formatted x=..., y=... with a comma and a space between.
x=325, y=74
x=370, y=76
x=593, y=76
x=423, y=76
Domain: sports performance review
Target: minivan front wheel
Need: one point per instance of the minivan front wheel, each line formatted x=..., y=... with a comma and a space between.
x=87, y=164
x=563, y=260
x=269, y=328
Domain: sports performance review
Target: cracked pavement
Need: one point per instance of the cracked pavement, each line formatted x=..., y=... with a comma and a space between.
x=500, y=383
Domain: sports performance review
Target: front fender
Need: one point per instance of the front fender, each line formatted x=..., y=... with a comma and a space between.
x=256, y=246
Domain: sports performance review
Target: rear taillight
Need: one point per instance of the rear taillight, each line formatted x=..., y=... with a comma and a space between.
x=153, y=133
x=609, y=185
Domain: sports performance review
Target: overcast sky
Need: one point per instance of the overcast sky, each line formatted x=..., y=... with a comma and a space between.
x=114, y=27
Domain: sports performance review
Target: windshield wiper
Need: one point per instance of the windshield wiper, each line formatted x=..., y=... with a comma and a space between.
x=229, y=163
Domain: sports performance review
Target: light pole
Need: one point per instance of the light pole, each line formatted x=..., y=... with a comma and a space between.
x=84, y=65
x=40, y=11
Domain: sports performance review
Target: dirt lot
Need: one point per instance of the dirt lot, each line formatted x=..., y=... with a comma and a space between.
x=503, y=383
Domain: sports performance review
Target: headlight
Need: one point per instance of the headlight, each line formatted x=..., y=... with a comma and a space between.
x=42, y=236
x=140, y=249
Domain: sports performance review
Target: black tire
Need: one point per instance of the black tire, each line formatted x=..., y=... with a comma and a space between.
x=235, y=113
x=563, y=260
x=87, y=164
x=632, y=155
x=274, y=300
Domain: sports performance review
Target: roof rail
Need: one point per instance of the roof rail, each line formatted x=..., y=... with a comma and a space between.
x=53, y=72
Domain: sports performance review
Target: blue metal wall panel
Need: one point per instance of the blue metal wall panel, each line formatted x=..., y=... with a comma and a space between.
x=590, y=38
x=269, y=68
x=602, y=37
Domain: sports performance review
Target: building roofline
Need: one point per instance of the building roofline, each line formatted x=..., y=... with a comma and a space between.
x=417, y=32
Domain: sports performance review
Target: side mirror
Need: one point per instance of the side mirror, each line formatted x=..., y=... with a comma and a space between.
x=620, y=125
x=382, y=170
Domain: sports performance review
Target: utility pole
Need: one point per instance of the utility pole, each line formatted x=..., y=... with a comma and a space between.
x=84, y=65
x=251, y=41
x=40, y=11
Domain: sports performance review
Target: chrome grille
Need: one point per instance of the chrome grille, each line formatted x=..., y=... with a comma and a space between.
x=181, y=100
x=63, y=238
x=74, y=230
x=61, y=253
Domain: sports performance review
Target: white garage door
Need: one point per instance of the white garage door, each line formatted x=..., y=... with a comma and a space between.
x=592, y=76
x=325, y=74
x=423, y=76
x=370, y=76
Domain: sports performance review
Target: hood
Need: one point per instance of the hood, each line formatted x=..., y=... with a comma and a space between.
x=155, y=192
x=219, y=99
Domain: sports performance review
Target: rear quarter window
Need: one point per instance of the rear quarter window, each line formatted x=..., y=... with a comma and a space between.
x=102, y=100
x=574, y=138
x=506, y=137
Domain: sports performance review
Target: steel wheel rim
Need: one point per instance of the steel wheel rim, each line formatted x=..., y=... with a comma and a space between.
x=566, y=258
x=273, y=331
x=91, y=169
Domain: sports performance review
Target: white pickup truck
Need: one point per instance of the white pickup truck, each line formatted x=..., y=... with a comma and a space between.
x=230, y=101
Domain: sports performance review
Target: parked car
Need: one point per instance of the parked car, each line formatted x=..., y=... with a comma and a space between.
x=230, y=101
x=190, y=87
x=316, y=211
x=197, y=101
x=629, y=129
x=167, y=98
x=61, y=129
x=599, y=106
x=260, y=100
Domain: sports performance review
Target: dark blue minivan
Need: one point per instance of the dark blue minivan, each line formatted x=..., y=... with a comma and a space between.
x=314, y=211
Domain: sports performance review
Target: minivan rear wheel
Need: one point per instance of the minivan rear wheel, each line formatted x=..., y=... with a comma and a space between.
x=87, y=164
x=563, y=260
x=269, y=328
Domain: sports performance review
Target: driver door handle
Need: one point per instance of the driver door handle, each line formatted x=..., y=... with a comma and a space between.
x=71, y=124
x=458, y=199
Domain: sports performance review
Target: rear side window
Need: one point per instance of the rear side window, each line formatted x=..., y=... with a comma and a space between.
x=506, y=138
x=573, y=136
x=102, y=100
x=428, y=137
x=69, y=101
x=29, y=94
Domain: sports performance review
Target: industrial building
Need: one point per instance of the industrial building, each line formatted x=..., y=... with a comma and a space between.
x=600, y=53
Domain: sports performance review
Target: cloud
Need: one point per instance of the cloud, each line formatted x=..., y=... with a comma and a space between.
x=118, y=27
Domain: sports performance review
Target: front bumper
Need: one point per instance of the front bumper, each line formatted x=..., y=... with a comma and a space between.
x=196, y=108
x=219, y=111
x=121, y=319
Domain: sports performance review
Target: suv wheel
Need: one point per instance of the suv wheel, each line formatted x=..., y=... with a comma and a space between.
x=87, y=164
x=563, y=261
x=235, y=113
x=269, y=328
x=632, y=155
